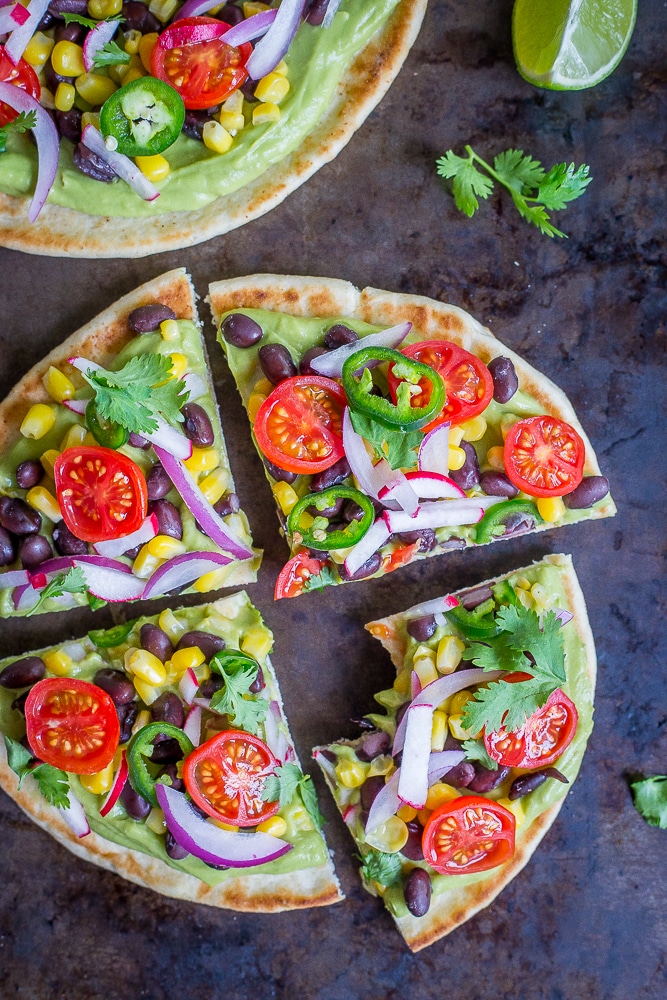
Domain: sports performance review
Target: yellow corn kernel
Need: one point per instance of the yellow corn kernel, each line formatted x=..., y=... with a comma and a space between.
x=145, y=564
x=450, y=651
x=382, y=765
x=90, y=441
x=507, y=422
x=257, y=642
x=439, y=731
x=275, y=826
x=146, y=46
x=155, y=821
x=402, y=683
x=58, y=663
x=132, y=39
x=423, y=664
x=187, y=659
x=46, y=99
x=100, y=782
x=300, y=818
x=169, y=330
x=146, y=666
x=541, y=597
x=48, y=459
x=232, y=122
x=351, y=773
x=95, y=88
x=135, y=73
x=407, y=814
x=164, y=547
x=272, y=89
x=459, y=701
x=456, y=728
x=179, y=362
x=147, y=692
x=524, y=597
x=265, y=113
x=38, y=421
x=44, y=501
x=213, y=580
x=254, y=403
x=551, y=508
x=455, y=436
x=215, y=485
x=438, y=794
x=67, y=59
x=38, y=49
x=253, y=7
x=390, y=837
x=163, y=9
x=456, y=458
x=102, y=9
x=523, y=582
x=495, y=457
x=56, y=384
x=170, y=624
x=203, y=460
x=285, y=495
x=216, y=137
x=74, y=437
x=515, y=806
x=281, y=68
x=122, y=73
x=473, y=429
x=141, y=720
x=155, y=168
x=424, y=815
x=222, y=825
x=90, y=118
x=264, y=386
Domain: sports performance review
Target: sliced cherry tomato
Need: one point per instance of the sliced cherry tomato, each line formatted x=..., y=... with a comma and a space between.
x=71, y=724
x=543, y=737
x=467, y=380
x=544, y=456
x=21, y=75
x=226, y=777
x=102, y=494
x=299, y=425
x=400, y=557
x=191, y=56
x=469, y=834
x=295, y=574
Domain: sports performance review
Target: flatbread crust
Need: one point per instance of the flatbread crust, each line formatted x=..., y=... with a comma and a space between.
x=59, y=231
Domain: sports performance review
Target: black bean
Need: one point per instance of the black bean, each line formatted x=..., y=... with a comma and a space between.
x=259, y=683
x=146, y=319
x=29, y=473
x=127, y=716
x=24, y=672
x=197, y=425
x=425, y=536
x=166, y=750
x=417, y=892
x=119, y=688
x=518, y=524
x=589, y=491
x=33, y=550
x=371, y=566
x=412, y=849
x=422, y=628
x=137, y=441
x=92, y=165
x=316, y=9
x=158, y=483
x=527, y=783
x=16, y=516
x=486, y=779
x=193, y=124
x=171, y=771
x=460, y=775
x=452, y=544
x=330, y=512
x=53, y=79
x=402, y=709
x=240, y=330
x=468, y=475
x=156, y=641
x=69, y=126
x=7, y=548
x=276, y=363
x=304, y=364
x=18, y=705
x=339, y=334
x=497, y=484
x=227, y=504
x=208, y=643
x=136, y=805
x=168, y=708
x=370, y=789
x=133, y=552
x=231, y=14
x=451, y=743
x=69, y=33
x=332, y=476
x=373, y=744
x=134, y=13
x=281, y=475
x=505, y=382
x=66, y=543
x=47, y=21
x=60, y=7
x=168, y=518
x=173, y=849
x=471, y=599
x=208, y=687
x=248, y=89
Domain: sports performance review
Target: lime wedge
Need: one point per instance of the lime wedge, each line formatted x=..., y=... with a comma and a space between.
x=570, y=44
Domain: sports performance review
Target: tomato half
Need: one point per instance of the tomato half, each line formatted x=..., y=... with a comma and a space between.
x=544, y=456
x=299, y=425
x=102, y=494
x=226, y=777
x=542, y=738
x=21, y=75
x=294, y=575
x=191, y=56
x=467, y=380
x=71, y=724
x=469, y=834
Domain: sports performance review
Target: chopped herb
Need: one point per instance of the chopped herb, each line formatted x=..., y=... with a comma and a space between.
x=532, y=189
x=139, y=393
x=321, y=580
x=52, y=782
x=476, y=750
x=94, y=603
x=239, y=673
x=110, y=54
x=72, y=582
x=283, y=786
x=379, y=867
x=396, y=446
x=24, y=121
x=107, y=638
x=87, y=22
x=650, y=799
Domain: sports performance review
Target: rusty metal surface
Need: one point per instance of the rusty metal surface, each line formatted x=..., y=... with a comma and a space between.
x=586, y=918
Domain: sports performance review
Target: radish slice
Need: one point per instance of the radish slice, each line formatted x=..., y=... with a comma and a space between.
x=122, y=165
x=437, y=605
x=245, y=31
x=442, y=762
x=331, y=363
x=75, y=816
x=13, y=18
x=375, y=537
x=437, y=514
x=95, y=40
x=413, y=784
x=434, y=486
x=209, y=842
x=19, y=38
x=110, y=584
x=274, y=735
x=117, y=787
x=183, y=570
x=385, y=803
x=14, y=578
x=188, y=686
x=195, y=385
x=211, y=522
x=350, y=815
x=45, y=132
x=76, y=405
x=433, y=455
x=192, y=727
x=117, y=546
x=370, y=478
x=272, y=47
x=326, y=765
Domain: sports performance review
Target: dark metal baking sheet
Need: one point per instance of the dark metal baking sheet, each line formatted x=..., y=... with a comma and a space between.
x=586, y=918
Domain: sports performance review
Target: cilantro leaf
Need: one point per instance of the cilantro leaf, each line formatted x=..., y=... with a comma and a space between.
x=110, y=54
x=397, y=447
x=309, y=796
x=139, y=393
x=541, y=637
x=379, y=867
x=563, y=184
x=498, y=655
x=321, y=580
x=505, y=705
x=24, y=121
x=72, y=582
x=283, y=786
x=650, y=799
x=87, y=22
x=516, y=169
x=476, y=750
x=467, y=181
x=52, y=782
x=234, y=699
x=18, y=757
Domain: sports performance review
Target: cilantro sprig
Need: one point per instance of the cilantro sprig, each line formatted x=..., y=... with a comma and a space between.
x=139, y=393
x=379, y=867
x=234, y=699
x=24, y=121
x=283, y=786
x=397, y=447
x=87, y=22
x=650, y=799
x=533, y=190
x=320, y=580
x=52, y=782
x=110, y=54
x=72, y=582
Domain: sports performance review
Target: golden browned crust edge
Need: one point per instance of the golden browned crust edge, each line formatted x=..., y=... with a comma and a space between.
x=60, y=231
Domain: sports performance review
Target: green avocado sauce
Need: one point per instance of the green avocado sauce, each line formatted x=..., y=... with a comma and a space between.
x=231, y=618
x=316, y=61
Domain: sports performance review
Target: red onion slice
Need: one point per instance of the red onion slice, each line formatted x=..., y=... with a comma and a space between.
x=76, y=405
x=110, y=584
x=413, y=784
x=117, y=787
x=24, y=597
x=385, y=804
x=436, y=606
x=192, y=727
x=272, y=47
x=188, y=686
x=415, y=685
x=247, y=30
x=75, y=816
x=433, y=455
x=14, y=578
x=20, y=36
x=331, y=363
x=209, y=842
x=96, y=39
x=45, y=134
x=441, y=762
x=117, y=546
x=332, y=7
x=563, y=616
x=122, y=165
x=211, y=522
x=183, y=570
x=375, y=537
x=60, y=563
x=438, y=514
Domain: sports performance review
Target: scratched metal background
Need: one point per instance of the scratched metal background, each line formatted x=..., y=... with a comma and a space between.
x=586, y=919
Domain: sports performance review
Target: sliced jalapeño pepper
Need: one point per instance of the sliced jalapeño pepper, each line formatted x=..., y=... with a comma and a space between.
x=144, y=117
x=139, y=752
x=106, y=432
x=315, y=535
x=494, y=522
x=476, y=624
x=110, y=637
x=399, y=414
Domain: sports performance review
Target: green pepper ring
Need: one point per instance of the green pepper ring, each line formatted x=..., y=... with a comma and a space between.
x=106, y=432
x=474, y=624
x=341, y=538
x=140, y=747
x=114, y=122
x=400, y=415
x=496, y=514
